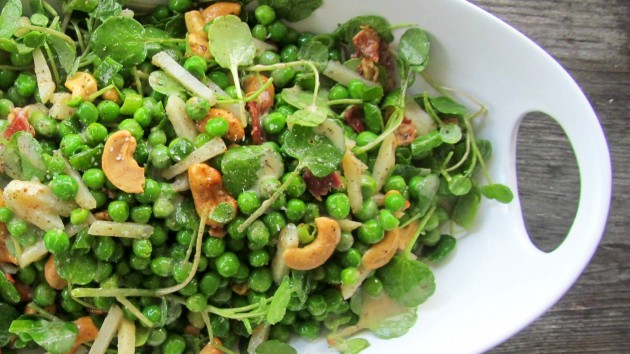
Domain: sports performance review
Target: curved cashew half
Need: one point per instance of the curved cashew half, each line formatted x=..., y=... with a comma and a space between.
x=317, y=252
x=81, y=84
x=198, y=43
x=265, y=99
x=194, y=21
x=206, y=186
x=406, y=235
x=235, y=133
x=119, y=165
x=52, y=276
x=382, y=252
x=221, y=9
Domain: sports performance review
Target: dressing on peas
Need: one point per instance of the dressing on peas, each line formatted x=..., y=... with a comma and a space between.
x=301, y=150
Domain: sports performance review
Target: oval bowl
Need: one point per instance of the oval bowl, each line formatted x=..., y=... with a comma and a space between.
x=498, y=281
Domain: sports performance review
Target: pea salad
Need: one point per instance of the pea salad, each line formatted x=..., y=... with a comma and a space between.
x=200, y=177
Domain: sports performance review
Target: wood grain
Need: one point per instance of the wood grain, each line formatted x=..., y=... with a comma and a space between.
x=591, y=39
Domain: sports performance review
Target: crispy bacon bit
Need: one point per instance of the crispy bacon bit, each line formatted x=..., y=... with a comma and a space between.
x=320, y=186
x=367, y=42
x=353, y=116
x=257, y=136
x=405, y=133
x=26, y=293
x=386, y=59
x=368, y=69
x=18, y=121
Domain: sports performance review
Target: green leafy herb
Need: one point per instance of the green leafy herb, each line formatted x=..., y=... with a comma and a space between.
x=293, y=10
x=66, y=54
x=465, y=209
x=310, y=116
x=314, y=51
x=106, y=9
x=451, y=133
x=9, y=18
x=122, y=39
x=7, y=315
x=279, y=302
x=408, y=282
x=57, y=337
x=446, y=105
x=275, y=346
x=443, y=248
x=497, y=191
x=165, y=84
x=315, y=152
x=414, y=49
x=106, y=71
x=241, y=167
x=76, y=269
x=8, y=292
x=348, y=30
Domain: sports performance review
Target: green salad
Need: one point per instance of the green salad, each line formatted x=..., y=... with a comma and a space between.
x=201, y=177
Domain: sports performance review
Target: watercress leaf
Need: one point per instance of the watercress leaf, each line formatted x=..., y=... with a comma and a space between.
x=310, y=116
x=408, y=171
x=348, y=30
x=79, y=5
x=56, y=337
x=122, y=39
x=414, y=48
x=451, y=133
x=373, y=117
x=459, y=185
x=395, y=326
x=242, y=167
x=231, y=42
x=408, y=282
x=315, y=152
x=293, y=10
x=446, y=105
x=314, y=51
x=66, y=54
x=165, y=84
x=279, y=302
x=333, y=321
x=300, y=284
x=300, y=99
x=106, y=71
x=275, y=346
x=372, y=94
x=106, y=9
x=8, y=292
x=355, y=346
x=8, y=45
x=30, y=156
x=465, y=209
x=7, y=315
x=497, y=191
x=442, y=249
x=76, y=269
x=9, y=18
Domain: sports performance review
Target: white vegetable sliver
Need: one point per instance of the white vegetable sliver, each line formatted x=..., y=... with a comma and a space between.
x=171, y=67
x=348, y=290
x=262, y=46
x=107, y=331
x=353, y=171
x=45, y=83
x=385, y=161
x=176, y=112
x=259, y=335
x=181, y=183
x=120, y=229
x=348, y=225
x=28, y=152
x=204, y=153
x=342, y=74
x=333, y=131
x=288, y=239
x=126, y=337
x=33, y=254
x=60, y=109
x=418, y=117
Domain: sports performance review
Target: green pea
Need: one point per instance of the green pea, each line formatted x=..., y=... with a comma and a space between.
x=196, y=65
x=227, y=264
x=373, y=286
x=44, y=294
x=296, y=209
x=260, y=279
x=139, y=263
x=43, y=124
x=143, y=116
x=196, y=302
x=311, y=213
x=6, y=214
x=296, y=188
x=209, y=283
x=338, y=92
x=306, y=233
x=289, y=53
x=95, y=133
x=160, y=157
x=248, y=202
x=231, y=91
x=258, y=258
x=74, y=102
x=275, y=222
x=258, y=234
x=25, y=85
x=396, y=183
x=151, y=192
x=179, y=148
x=118, y=211
x=197, y=108
x=388, y=220
x=356, y=88
x=220, y=78
x=179, y=6
x=7, y=78
x=368, y=210
x=70, y=144
x=371, y=232
x=350, y=276
x=233, y=228
x=56, y=241
x=161, y=12
x=346, y=241
x=309, y=330
x=134, y=128
x=6, y=106
x=283, y=76
x=277, y=31
x=142, y=248
x=64, y=187
x=217, y=127
x=365, y=137
x=153, y=313
x=304, y=38
x=334, y=55
x=163, y=208
x=368, y=186
x=338, y=205
x=213, y=247
x=274, y=123
x=79, y=216
x=141, y=214
x=87, y=112
x=351, y=258
x=104, y=248
x=268, y=58
x=265, y=14
x=162, y=266
x=259, y=32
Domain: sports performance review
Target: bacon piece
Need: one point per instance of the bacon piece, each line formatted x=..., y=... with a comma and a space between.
x=257, y=136
x=368, y=69
x=387, y=60
x=18, y=121
x=354, y=118
x=367, y=42
x=405, y=133
x=320, y=186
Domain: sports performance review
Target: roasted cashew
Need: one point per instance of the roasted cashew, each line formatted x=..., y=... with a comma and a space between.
x=406, y=235
x=317, y=252
x=198, y=43
x=265, y=99
x=81, y=85
x=112, y=95
x=87, y=332
x=52, y=276
x=119, y=165
x=221, y=9
x=235, y=133
x=382, y=252
x=206, y=186
x=194, y=21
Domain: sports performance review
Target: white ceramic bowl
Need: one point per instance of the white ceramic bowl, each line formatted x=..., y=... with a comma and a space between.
x=498, y=281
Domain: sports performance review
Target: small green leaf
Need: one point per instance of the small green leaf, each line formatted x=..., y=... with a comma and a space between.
x=499, y=192
x=76, y=269
x=310, y=116
x=8, y=45
x=231, y=42
x=293, y=10
x=57, y=337
x=106, y=9
x=315, y=152
x=108, y=68
x=279, y=302
x=8, y=292
x=314, y=51
x=414, y=48
x=242, y=166
x=9, y=18
x=275, y=346
x=7, y=315
x=165, y=84
x=451, y=133
x=459, y=185
x=443, y=248
x=66, y=54
x=352, y=346
x=373, y=94
x=446, y=105
x=348, y=30
x=223, y=213
x=465, y=209
x=373, y=117
x=408, y=282
x=122, y=39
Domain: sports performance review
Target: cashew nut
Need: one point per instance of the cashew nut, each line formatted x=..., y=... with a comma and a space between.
x=317, y=252
x=206, y=186
x=87, y=332
x=81, y=84
x=52, y=276
x=211, y=348
x=265, y=99
x=194, y=21
x=406, y=235
x=221, y=9
x=119, y=165
x=235, y=133
x=198, y=43
x=112, y=95
x=382, y=252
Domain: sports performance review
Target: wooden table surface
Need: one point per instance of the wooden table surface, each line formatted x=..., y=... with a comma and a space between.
x=591, y=39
